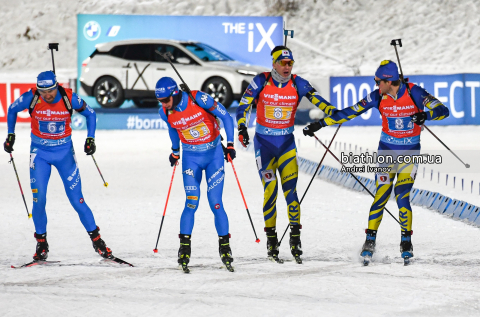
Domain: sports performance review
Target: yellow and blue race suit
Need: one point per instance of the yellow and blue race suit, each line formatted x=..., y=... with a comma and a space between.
x=274, y=142
x=399, y=136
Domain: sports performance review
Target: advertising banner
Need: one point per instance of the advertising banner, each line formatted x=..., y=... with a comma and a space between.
x=459, y=92
x=243, y=40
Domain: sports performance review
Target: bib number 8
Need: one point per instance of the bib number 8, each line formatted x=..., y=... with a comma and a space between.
x=194, y=133
x=399, y=124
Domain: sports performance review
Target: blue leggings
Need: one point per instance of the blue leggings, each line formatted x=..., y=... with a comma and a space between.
x=193, y=163
x=63, y=158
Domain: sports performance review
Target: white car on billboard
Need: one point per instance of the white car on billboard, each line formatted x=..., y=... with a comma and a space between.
x=129, y=69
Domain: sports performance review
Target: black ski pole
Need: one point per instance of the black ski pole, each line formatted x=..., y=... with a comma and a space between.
x=311, y=180
x=399, y=43
x=19, y=185
x=184, y=85
x=51, y=47
x=336, y=158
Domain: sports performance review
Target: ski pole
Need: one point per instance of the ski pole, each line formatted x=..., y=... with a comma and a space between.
x=355, y=177
x=314, y=174
x=399, y=43
x=19, y=185
x=165, y=210
x=104, y=182
x=257, y=240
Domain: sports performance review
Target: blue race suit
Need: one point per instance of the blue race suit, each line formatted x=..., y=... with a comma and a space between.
x=200, y=157
x=46, y=151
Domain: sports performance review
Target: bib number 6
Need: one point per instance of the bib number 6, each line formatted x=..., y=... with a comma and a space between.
x=277, y=113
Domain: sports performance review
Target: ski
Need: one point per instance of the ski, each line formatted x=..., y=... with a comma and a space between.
x=34, y=263
x=117, y=260
x=184, y=267
x=275, y=259
x=298, y=259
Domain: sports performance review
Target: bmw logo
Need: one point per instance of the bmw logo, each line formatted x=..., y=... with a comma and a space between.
x=91, y=30
x=78, y=122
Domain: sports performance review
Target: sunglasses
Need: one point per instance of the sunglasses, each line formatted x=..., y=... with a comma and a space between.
x=164, y=100
x=284, y=63
x=49, y=91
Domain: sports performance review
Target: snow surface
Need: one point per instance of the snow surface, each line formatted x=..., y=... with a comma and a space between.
x=332, y=38
x=442, y=281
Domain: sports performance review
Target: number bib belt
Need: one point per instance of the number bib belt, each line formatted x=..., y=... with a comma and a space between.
x=396, y=121
x=195, y=126
x=276, y=109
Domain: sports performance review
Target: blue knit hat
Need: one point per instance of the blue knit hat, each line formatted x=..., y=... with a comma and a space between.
x=166, y=87
x=46, y=81
x=387, y=70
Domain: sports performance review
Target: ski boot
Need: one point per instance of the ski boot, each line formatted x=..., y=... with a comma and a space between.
x=295, y=243
x=41, y=253
x=272, y=245
x=225, y=251
x=406, y=247
x=185, y=251
x=99, y=245
x=369, y=246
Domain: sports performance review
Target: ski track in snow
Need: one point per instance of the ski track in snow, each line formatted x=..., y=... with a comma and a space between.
x=442, y=281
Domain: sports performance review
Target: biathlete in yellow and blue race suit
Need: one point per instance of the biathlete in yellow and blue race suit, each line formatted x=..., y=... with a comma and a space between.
x=403, y=115
x=277, y=94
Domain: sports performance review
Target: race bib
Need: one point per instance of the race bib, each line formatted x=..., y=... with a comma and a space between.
x=278, y=113
x=400, y=124
x=52, y=127
x=195, y=132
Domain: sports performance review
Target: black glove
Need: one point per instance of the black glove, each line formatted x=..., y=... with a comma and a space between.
x=311, y=128
x=243, y=135
x=9, y=142
x=89, y=147
x=229, y=151
x=173, y=158
x=419, y=118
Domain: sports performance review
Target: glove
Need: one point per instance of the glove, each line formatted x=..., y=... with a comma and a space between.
x=243, y=135
x=173, y=158
x=311, y=128
x=90, y=146
x=419, y=118
x=230, y=151
x=9, y=142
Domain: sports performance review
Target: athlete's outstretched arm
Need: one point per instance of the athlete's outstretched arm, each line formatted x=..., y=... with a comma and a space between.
x=370, y=101
x=79, y=105
x=305, y=89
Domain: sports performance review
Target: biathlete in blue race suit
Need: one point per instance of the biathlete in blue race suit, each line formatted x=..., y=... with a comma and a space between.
x=402, y=118
x=277, y=94
x=193, y=123
x=50, y=107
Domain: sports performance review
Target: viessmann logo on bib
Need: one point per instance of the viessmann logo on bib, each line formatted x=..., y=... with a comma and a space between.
x=280, y=97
